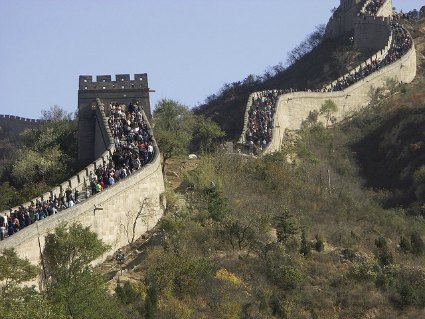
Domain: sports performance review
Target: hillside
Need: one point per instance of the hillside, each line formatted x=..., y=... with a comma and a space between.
x=335, y=233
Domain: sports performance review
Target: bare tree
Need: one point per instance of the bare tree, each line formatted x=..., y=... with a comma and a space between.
x=144, y=214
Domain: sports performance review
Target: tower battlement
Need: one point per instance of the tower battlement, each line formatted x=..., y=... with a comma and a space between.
x=122, y=82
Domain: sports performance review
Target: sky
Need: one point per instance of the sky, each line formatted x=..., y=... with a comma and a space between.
x=188, y=48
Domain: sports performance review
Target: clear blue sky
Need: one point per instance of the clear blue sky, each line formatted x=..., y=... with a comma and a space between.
x=189, y=48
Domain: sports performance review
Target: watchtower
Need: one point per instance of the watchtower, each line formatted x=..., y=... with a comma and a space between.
x=123, y=91
x=342, y=21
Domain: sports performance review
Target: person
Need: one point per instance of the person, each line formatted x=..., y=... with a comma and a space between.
x=76, y=196
x=1, y=227
x=150, y=152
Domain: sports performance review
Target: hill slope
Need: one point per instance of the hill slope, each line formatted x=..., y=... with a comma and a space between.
x=330, y=235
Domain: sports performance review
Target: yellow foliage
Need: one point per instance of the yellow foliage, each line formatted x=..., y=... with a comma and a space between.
x=177, y=309
x=225, y=275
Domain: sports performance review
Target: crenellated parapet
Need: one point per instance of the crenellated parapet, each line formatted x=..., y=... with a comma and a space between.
x=122, y=82
x=23, y=119
x=14, y=125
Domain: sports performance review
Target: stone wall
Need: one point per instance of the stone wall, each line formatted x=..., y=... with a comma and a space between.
x=13, y=125
x=103, y=140
x=293, y=108
x=110, y=213
x=371, y=33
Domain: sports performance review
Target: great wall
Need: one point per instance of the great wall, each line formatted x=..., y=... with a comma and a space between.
x=113, y=213
x=371, y=33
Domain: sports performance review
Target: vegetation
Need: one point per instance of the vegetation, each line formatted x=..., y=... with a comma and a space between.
x=327, y=109
x=264, y=238
x=177, y=129
x=68, y=275
x=71, y=288
x=39, y=158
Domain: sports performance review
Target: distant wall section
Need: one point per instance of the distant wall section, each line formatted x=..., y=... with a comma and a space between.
x=13, y=125
x=293, y=108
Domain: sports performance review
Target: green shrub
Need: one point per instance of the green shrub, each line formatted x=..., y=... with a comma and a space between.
x=405, y=245
x=305, y=248
x=418, y=245
x=366, y=270
x=419, y=175
x=319, y=245
x=126, y=293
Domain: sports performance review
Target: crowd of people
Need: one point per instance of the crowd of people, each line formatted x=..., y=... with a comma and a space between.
x=373, y=7
x=260, y=119
x=401, y=43
x=133, y=149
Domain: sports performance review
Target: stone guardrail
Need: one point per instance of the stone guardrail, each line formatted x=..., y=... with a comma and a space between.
x=381, y=10
x=385, y=9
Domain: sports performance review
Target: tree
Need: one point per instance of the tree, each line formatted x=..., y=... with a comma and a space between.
x=71, y=283
x=14, y=270
x=319, y=244
x=207, y=131
x=50, y=151
x=417, y=244
x=285, y=226
x=56, y=113
x=307, y=45
x=305, y=248
x=328, y=108
x=405, y=245
x=19, y=301
x=9, y=196
x=173, y=128
x=385, y=256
